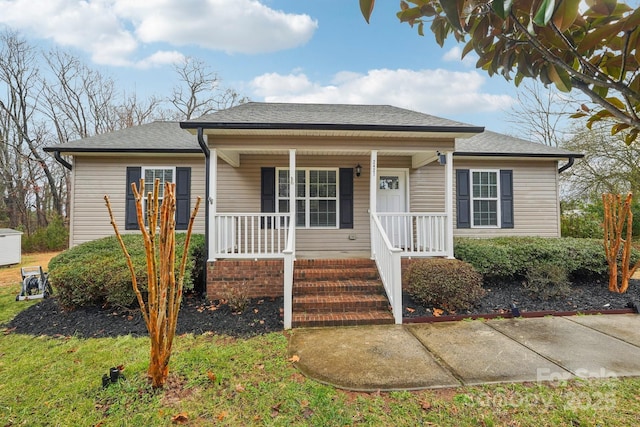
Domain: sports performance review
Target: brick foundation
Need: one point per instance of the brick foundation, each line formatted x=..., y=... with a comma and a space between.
x=253, y=278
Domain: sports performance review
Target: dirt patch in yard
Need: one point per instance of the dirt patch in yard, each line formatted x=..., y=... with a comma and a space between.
x=10, y=275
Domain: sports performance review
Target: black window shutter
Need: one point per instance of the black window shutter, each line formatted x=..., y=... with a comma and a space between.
x=463, y=199
x=506, y=198
x=346, y=197
x=183, y=198
x=268, y=190
x=130, y=214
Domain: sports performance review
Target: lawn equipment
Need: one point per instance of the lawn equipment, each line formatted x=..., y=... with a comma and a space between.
x=35, y=284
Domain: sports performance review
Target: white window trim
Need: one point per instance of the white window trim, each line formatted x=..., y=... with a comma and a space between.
x=497, y=199
x=307, y=198
x=143, y=169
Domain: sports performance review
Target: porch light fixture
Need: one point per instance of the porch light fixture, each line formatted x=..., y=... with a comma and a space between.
x=442, y=158
x=358, y=169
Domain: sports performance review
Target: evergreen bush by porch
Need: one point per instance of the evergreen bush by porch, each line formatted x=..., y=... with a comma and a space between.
x=96, y=273
x=507, y=259
x=444, y=283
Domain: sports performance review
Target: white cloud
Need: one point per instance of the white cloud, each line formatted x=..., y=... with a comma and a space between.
x=438, y=92
x=160, y=58
x=454, y=55
x=112, y=31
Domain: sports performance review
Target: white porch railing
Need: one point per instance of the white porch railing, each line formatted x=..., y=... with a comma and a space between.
x=246, y=235
x=416, y=233
x=389, y=267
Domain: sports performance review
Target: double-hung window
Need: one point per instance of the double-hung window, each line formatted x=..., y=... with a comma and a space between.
x=316, y=197
x=485, y=198
x=150, y=174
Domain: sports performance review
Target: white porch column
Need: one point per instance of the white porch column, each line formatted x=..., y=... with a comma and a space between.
x=373, y=190
x=212, y=199
x=289, y=252
x=292, y=190
x=448, y=202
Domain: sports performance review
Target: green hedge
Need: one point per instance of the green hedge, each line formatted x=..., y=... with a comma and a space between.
x=448, y=283
x=506, y=259
x=96, y=272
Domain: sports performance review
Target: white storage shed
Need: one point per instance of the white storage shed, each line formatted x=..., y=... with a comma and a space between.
x=10, y=246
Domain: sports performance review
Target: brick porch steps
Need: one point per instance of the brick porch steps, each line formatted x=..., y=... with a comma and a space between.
x=340, y=292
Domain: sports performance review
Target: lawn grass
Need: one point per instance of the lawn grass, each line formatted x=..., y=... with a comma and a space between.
x=217, y=380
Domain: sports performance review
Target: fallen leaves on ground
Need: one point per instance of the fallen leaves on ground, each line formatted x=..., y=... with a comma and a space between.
x=295, y=358
x=437, y=312
x=180, y=418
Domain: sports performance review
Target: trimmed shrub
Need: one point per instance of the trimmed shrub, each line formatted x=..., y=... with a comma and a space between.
x=507, y=259
x=448, y=283
x=544, y=281
x=96, y=272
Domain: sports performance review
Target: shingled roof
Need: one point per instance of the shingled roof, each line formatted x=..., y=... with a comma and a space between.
x=155, y=137
x=490, y=143
x=172, y=137
x=261, y=115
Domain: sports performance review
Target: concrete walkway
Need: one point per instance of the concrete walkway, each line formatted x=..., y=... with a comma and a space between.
x=451, y=354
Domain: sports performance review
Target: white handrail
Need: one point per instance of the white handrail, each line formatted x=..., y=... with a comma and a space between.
x=388, y=261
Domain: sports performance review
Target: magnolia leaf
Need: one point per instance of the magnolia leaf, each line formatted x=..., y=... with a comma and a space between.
x=616, y=103
x=631, y=136
x=498, y=8
x=453, y=10
x=632, y=21
x=566, y=14
x=421, y=29
x=560, y=78
x=439, y=31
x=618, y=127
x=366, y=7
x=409, y=15
x=599, y=35
x=578, y=115
x=544, y=13
x=602, y=7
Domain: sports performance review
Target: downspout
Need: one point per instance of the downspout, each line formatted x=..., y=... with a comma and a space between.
x=568, y=165
x=205, y=150
x=59, y=159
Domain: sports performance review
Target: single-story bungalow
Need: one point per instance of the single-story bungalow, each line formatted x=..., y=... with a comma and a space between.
x=323, y=204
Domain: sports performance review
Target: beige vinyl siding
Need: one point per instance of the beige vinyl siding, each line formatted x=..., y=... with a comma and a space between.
x=239, y=192
x=94, y=177
x=536, y=206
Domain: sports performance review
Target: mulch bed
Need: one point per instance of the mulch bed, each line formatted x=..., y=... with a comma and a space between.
x=262, y=316
x=196, y=316
x=584, y=298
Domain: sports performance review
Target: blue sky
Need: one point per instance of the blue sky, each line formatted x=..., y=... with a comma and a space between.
x=271, y=50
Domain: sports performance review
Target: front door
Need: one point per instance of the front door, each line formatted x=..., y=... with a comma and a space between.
x=391, y=198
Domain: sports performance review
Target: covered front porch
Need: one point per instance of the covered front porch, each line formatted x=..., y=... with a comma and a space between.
x=381, y=220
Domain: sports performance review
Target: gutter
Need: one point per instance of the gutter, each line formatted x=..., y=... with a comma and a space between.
x=570, y=161
x=570, y=157
x=207, y=157
x=59, y=159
